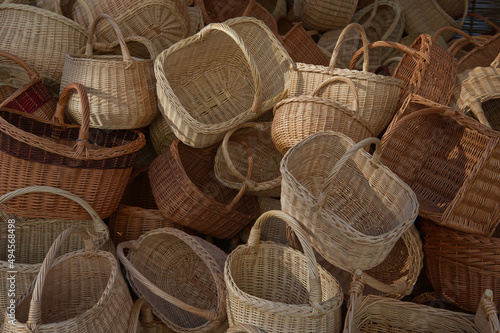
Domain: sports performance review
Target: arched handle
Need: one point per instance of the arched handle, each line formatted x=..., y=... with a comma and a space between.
x=375, y=160
x=245, y=328
x=141, y=307
x=85, y=7
x=372, y=15
x=340, y=40
x=455, y=30
x=244, y=187
x=459, y=44
x=35, y=316
x=32, y=74
x=210, y=315
x=484, y=19
x=355, y=102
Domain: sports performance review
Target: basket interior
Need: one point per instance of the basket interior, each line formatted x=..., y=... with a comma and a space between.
x=491, y=110
x=139, y=193
x=6, y=91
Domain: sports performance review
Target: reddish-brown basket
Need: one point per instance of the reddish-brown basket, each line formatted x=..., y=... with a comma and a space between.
x=188, y=193
x=94, y=165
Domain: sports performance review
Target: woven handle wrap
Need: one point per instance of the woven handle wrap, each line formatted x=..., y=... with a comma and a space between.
x=342, y=161
x=32, y=74
x=488, y=309
x=340, y=40
x=312, y=265
x=34, y=316
x=349, y=82
x=355, y=298
x=238, y=328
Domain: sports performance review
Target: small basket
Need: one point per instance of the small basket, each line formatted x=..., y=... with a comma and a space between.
x=325, y=15
x=193, y=297
x=352, y=208
x=276, y=288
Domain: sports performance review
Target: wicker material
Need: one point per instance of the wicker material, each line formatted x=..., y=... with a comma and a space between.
x=279, y=289
x=121, y=89
x=231, y=161
x=298, y=117
x=148, y=323
x=451, y=162
x=378, y=94
x=239, y=328
x=479, y=56
x=82, y=291
x=33, y=97
x=275, y=7
x=453, y=8
x=95, y=165
x=188, y=193
x=325, y=15
x=162, y=22
x=242, y=72
x=461, y=265
x=353, y=209
x=486, y=317
x=161, y=134
x=193, y=297
x=196, y=22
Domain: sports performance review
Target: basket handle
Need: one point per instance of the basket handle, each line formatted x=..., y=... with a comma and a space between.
x=487, y=309
x=459, y=44
x=340, y=40
x=372, y=15
x=210, y=315
x=32, y=74
x=254, y=69
x=312, y=265
x=342, y=161
x=484, y=19
x=141, y=306
x=477, y=110
x=85, y=7
x=355, y=102
x=355, y=298
x=457, y=31
x=238, y=328
x=35, y=316
x=244, y=187
x=496, y=62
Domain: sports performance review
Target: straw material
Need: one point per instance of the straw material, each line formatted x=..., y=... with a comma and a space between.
x=239, y=328
x=95, y=165
x=231, y=161
x=453, y=8
x=188, y=193
x=298, y=117
x=161, y=134
x=378, y=94
x=486, y=317
x=193, y=297
x=162, y=22
x=352, y=208
x=148, y=323
x=461, y=265
x=41, y=37
x=81, y=291
x=33, y=97
x=275, y=7
x=242, y=73
x=196, y=22
x=278, y=289
x=324, y=15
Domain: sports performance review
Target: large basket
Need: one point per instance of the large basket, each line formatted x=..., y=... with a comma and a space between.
x=193, y=297
x=324, y=15
x=188, y=193
x=279, y=289
x=81, y=291
x=296, y=118
x=32, y=97
x=121, y=89
x=352, y=208
x=95, y=165
x=242, y=73
x=451, y=162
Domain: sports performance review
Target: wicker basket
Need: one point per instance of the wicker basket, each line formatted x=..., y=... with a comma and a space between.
x=239, y=328
x=148, y=323
x=33, y=97
x=161, y=134
x=95, y=165
x=298, y=117
x=196, y=21
x=188, y=193
x=121, y=89
x=451, y=162
x=231, y=161
x=325, y=15
x=275, y=7
x=81, y=291
x=193, y=297
x=278, y=289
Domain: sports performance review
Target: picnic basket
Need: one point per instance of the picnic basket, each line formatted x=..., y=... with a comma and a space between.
x=353, y=209
x=324, y=15
x=93, y=164
x=193, y=297
x=121, y=89
x=451, y=162
x=279, y=289
x=81, y=291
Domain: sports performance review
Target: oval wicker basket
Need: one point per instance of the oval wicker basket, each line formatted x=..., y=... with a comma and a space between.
x=324, y=15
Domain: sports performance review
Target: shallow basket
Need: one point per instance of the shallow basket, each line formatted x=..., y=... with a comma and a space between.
x=352, y=208
x=276, y=288
x=324, y=15
x=193, y=297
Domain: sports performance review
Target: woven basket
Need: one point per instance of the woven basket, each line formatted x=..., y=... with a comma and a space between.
x=275, y=7
x=41, y=37
x=278, y=289
x=121, y=89
x=81, y=291
x=33, y=97
x=95, y=165
x=324, y=15
x=242, y=73
x=161, y=134
x=162, y=22
x=453, y=8
x=148, y=323
x=231, y=161
x=451, y=162
x=239, y=328
x=196, y=21
x=193, y=297
x=353, y=209
x=188, y=193
x=378, y=94
x=298, y=117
